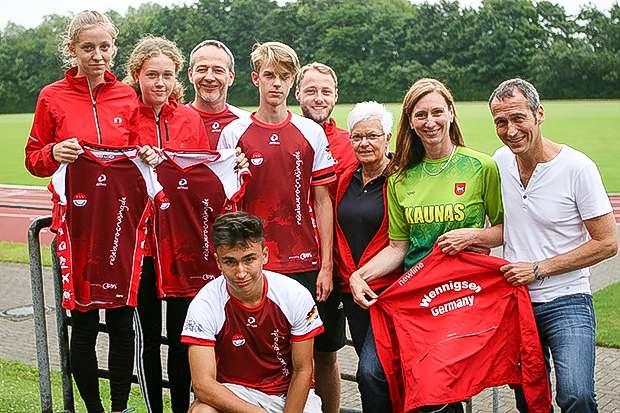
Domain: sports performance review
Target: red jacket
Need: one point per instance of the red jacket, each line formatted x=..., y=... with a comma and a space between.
x=344, y=265
x=341, y=149
x=177, y=128
x=452, y=326
x=66, y=109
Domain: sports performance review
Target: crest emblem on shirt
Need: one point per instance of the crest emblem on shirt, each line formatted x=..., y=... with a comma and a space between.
x=165, y=204
x=274, y=139
x=101, y=180
x=79, y=200
x=256, y=158
x=118, y=120
x=314, y=313
x=215, y=127
x=251, y=322
x=459, y=188
x=238, y=340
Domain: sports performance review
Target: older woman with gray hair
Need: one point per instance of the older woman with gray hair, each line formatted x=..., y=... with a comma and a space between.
x=361, y=225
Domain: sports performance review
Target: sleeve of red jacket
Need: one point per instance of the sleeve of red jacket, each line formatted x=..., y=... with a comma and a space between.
x=534, y=374
x=39, y=161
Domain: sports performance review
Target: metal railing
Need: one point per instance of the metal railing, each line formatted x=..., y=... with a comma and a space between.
x=63, y=321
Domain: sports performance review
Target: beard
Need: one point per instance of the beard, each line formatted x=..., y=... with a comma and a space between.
x=310, y=114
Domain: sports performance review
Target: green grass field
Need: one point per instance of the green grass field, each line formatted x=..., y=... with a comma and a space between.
x=589, y=126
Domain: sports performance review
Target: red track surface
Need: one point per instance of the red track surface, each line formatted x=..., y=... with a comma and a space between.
x=14, y=222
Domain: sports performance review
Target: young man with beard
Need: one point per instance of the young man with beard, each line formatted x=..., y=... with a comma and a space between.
x=317, y=93
x=291, y=169
x=559, y=222
x=212, y=72
x=250, y=331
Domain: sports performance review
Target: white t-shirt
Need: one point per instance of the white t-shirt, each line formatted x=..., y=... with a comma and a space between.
x=546, y=218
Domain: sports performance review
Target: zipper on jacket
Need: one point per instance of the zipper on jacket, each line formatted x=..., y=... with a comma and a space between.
x=158, y=128
x=166, y=126
x=93, y=100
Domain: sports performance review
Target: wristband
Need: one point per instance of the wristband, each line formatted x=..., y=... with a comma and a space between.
x=537, y=275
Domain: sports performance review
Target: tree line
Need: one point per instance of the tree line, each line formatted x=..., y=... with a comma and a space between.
x=378, y=48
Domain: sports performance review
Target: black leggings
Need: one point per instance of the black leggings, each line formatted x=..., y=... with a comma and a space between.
x=149, y=328
x=84, y=331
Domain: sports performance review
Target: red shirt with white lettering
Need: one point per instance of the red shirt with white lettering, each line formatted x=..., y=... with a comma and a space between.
x=285, y=161
x=200, y=185
x=105, y=199
x=253, y=345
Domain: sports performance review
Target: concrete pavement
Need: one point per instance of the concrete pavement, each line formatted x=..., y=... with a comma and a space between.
x=17, y=340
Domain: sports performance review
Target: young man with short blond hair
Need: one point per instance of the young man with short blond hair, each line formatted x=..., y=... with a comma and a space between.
x=291, y=167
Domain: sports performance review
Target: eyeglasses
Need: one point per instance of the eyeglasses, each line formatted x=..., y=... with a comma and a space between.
x=371, y=137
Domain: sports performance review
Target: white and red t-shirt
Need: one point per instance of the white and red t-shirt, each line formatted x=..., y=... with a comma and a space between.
x=285, y=161
x=105, y=198
x=215, y=122
x=200, y=185
x=253, y=345
x=452, y=326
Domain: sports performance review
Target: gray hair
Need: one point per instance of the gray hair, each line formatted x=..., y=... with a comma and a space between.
x=219, y=45
x=371, y=111
x=507, y=88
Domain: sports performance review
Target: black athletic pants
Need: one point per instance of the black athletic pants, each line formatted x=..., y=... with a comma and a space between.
x=84, y=331
x=149, y=329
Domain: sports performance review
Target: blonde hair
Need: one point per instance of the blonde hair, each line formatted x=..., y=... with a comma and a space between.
x=276, y=53
x=409, y=148
x=83, y=21
x=319, y=67
x=147, y=48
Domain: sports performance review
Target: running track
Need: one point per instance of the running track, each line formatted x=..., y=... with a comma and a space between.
x=14, y=222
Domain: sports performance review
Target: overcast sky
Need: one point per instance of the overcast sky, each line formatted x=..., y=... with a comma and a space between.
x=29, y=13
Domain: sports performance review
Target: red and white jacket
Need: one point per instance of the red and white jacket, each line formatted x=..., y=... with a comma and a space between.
x=176, y=128
x=341, y=149
x=68, y=109
x=344, y=265
x=452, y=326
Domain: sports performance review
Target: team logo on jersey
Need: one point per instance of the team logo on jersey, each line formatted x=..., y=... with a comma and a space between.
x=274, y=139
x=314, y=313
x=256, y=158
x=305, y=255
x=459, y=189
x=109, y=286
x=182, y=184
x=251, y=322
x=165, y=204
x=79, y=200
x=215, y=127
x=238, y=340
x=101, y=180
x=118, y=120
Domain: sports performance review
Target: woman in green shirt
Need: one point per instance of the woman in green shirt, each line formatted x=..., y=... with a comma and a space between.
x=438, y=191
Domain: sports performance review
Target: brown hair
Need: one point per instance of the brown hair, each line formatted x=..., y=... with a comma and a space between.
x=409, y=147
x=277, y=54
x=319, y=67
x=147, y=48
x=83, y=21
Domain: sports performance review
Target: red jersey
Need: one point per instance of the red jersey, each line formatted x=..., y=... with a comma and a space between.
x=105, y=199
x=344, y=264
x=214, y=123
x=341, y=149
x=253, y=345
x=452, y=326
x=68, y=109
x=200, y=186
x=176, y=128
x=285, y=161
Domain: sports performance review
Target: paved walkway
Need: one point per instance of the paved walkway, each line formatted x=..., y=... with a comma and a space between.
x=17, y=340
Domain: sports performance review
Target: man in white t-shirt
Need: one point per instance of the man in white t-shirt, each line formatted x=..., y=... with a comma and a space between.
x=251, y=331
x=558, y=221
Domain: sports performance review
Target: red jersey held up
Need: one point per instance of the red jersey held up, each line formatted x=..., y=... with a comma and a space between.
x=286, y=160
x=452, y=326
x=105, y=199
x=200, y=185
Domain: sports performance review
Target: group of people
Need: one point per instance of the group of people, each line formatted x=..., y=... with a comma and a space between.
x=331, y=219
